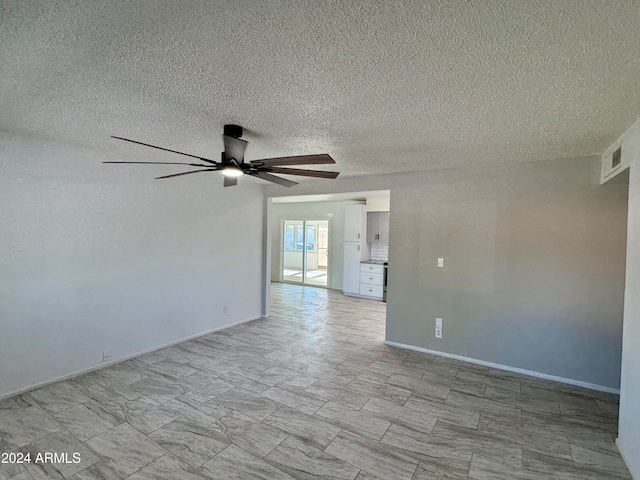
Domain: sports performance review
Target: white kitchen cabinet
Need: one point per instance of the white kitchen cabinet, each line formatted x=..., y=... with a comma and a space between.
x=378, y=227
x=372, y=280
x=354, y=223
x=351, y=277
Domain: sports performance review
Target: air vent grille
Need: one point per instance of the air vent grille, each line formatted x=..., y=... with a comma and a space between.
x=617, y=158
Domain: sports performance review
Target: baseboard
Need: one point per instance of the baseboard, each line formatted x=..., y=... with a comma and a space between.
x=635, y=475
x=530, y=373
x=119, y=360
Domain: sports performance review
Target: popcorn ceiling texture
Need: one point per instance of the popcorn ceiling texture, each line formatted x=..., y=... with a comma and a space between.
x=383, y=86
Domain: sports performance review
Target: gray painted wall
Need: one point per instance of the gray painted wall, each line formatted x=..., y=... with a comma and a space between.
x=629, y=428
x=103, y=257
x=535, y=262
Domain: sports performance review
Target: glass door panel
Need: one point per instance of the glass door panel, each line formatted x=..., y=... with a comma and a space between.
x=305, y=252
x=292, y=258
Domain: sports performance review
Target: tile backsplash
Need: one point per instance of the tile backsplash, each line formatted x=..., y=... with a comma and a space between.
x=379, y=252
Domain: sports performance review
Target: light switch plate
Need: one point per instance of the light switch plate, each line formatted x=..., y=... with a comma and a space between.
x=440, y=262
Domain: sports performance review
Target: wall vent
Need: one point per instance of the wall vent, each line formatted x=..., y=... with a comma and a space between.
x=616, y=158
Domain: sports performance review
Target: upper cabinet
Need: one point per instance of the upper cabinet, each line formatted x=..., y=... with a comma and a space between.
x=378, y=227
x=354, y=223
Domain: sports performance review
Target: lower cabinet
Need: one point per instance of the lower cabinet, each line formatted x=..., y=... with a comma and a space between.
x=372, y=280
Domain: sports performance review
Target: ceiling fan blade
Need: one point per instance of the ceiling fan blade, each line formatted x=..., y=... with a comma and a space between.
x=187, y=173
x=234, y=148
x=230, y=181
x=167, y=163
x=166, y=149
x=297, y=160
x=272, y=178
x=304, y=173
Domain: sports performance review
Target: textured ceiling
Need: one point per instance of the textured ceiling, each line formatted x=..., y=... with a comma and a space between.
x=382, y=86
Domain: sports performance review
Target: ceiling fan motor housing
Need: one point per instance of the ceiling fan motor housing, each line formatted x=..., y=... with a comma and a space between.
x=234, y=131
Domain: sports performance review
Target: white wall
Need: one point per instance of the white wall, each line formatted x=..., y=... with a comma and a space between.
x=535, y=262
x=629, y=427
x=103, y=257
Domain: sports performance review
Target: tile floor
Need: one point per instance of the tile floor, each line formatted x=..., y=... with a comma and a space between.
x=311, y=392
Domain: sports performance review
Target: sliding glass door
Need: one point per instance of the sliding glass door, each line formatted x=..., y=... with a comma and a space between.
x=305, y=252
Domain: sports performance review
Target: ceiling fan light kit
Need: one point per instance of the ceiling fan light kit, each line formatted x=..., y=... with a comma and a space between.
x=232, y=164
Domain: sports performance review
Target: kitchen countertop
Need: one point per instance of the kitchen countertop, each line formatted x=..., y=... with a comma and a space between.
x=373, y=262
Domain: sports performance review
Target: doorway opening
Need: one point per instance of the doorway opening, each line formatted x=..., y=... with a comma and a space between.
x=305, y=252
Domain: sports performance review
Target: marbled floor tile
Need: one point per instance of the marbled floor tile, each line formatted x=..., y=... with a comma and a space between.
x=456, y=414
x=438, y=457
x=372, y=457
x=310, y=428
x=206, y=383
x=473, y=403
x=125, y=449
x=212, y=364
x=385, y=391
x=24, y=426
x=248, y=403
x=190, y=442
x=294, y=398
x=172, y=370
x=388, y=369
x=24, y=475
x=146, y=420
x=112, y=389
x=576, y=432
x=361, y=423
x=9, y=470
x=125, y=372
x=567, y=389
x=169, y=467
x=479, y=442
x=477, y=377
x=536, y=441
x=355, y=369
x=598, y=461
x=19, y=402
x=515, y=399
x=60, y=443
x=160, y=391
x=153, y=357
x=566, y=469
x=418, y=419
x=327, y=391
x=233, y=463
x=419, y=387
x=434, y=472
x=82, y=422
x=610, y=409
x=238, y=381
x=453, y=383
x=483, y=468
x=58, y=396
x=97, y=471
x=306, y=462
x=254, y=437
x=330, y=375
x=594, y=419
x=178, y=354
x=194, y=401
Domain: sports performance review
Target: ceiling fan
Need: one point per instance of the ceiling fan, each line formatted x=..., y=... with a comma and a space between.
x=232, y=164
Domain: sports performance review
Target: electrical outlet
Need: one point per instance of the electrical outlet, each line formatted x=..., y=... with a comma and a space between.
x=225, y=308
x=106, y=355
x=438, y=328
